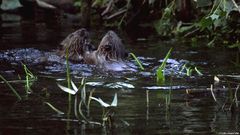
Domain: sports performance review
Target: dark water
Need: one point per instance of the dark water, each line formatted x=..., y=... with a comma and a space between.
x=27, y=40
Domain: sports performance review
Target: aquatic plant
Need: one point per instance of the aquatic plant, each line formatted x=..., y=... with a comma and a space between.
x=231, y=103
x=54, y=108
x=108, y=111
x=10, y=86
x=147, y=97
x=211, y=88
x=78, y=105
x=77, y=3
x=68, y=69
x=29, y=79
x=189, y=70
x=163, y=26
x=137, y=60
x=160, y=70
x=198, y=72
x=68, y=82
x=233, y=99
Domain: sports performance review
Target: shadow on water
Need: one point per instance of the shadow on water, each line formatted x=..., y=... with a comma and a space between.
x=189, y=108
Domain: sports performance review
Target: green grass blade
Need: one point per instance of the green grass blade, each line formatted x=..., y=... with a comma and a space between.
x=68, y=70
x=101, y=102
x=54, y=108
x=83, y=90
x=81, y=113
x=68, y=82
x=198, y=72
x=138, y=61
x=28, y=72
x=163, y=65
x=189, y=71
x=183, y=67
x=89, y=100
x=10, y=86
x=160, y=74
x=75, y=107
x=66, y=89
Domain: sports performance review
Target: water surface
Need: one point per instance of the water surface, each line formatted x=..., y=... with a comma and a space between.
x=27, y=40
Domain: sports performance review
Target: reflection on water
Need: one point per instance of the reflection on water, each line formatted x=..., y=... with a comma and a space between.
x=29, y=41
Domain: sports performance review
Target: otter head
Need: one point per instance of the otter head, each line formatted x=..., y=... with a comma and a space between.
x=111, y=47
x=77, y=43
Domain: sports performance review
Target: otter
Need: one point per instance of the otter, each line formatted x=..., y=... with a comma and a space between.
x=110, y=49
x=77, y=43
x=109, y=55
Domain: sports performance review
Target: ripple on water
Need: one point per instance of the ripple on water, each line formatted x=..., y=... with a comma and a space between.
x=119, y=85
x=165, y=87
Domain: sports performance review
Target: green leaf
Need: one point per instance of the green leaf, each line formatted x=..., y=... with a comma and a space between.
x=163, y=26
x=163, y=65
x=54, y=108
x=198, y=72
x=236, y=45
x=137, y=60
x=185, y=28
x=211, y=43
x=160, y=74
x=189, y=71
x=101, y=102
x=70, y=91
x=115, y=101
x=205, y=22
x=74, y=86
x=160, y=77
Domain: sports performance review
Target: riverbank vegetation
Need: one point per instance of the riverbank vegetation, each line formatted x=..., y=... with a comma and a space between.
x=217, y=21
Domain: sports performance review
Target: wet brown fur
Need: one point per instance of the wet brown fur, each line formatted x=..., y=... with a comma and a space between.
x=110, y=49
x=77, y=43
